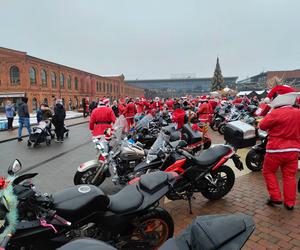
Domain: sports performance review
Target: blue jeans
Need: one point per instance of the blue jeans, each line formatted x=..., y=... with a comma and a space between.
x=24, y=122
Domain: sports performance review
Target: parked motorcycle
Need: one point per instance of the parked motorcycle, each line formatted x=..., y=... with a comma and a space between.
x=205, y=173
x=130, y=218
x=255, y=156
x=227, y=232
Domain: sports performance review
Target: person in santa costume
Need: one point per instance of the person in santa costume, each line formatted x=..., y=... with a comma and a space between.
x=129, y=112
x=283, y=147
x=277, y=90
x=156, y=104
x=170, y=102
x=102, y=118
x=205, y=110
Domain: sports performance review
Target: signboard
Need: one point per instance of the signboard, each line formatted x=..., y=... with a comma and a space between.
x=12, y=94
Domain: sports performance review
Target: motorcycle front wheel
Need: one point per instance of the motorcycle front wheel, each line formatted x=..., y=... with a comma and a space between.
x=87, y=176
x=221, y=128
x=254, y=160
x=223, y=180
x=155, y=226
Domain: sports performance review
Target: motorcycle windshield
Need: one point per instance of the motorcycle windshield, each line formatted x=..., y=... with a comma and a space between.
x=156, y=147
x=144, y=122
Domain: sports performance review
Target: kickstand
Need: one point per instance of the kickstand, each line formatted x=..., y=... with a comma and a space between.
x=189, y=198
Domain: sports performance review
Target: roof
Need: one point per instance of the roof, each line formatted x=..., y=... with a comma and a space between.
x=284, y=74
x=56, y=64
x=177, y=79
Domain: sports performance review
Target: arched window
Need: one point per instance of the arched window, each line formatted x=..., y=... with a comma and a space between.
x=104, y=87
x=14, y=75
x=34, y=103
x=53, y=79
x=76, y=83
x=62, y=80
x=100, y=86
x=44, y=77
x=69, y=82
x=110, y=88
x=32, y=74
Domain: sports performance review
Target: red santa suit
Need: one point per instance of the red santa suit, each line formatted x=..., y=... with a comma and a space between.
x=139, y=106
x=101, y=119
x=283, y=127
x=129, y=113
x=205, y=112
x=170, y=104
x=156, y=105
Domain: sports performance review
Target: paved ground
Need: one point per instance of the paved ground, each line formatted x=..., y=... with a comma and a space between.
x=56, y=165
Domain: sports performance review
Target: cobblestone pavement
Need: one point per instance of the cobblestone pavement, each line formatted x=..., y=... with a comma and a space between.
x=276, y=228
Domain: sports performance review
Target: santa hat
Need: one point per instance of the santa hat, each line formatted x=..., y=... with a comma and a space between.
x=285, y=100
x=156, y=99
x=203, y=98
x=103, y=102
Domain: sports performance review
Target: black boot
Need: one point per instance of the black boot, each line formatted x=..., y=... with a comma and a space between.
x=289, y=207
x=273, y=203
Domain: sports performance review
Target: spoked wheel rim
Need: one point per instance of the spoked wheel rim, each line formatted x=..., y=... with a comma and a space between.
x=152, y=229
x=256, y=161
x=220, y=180
x=88, y=176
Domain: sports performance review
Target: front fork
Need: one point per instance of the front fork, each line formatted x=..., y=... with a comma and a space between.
x=237, y=162
x=101, y=171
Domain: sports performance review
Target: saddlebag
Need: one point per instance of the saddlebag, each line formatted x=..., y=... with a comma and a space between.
x=240, y=134
x=189, y=135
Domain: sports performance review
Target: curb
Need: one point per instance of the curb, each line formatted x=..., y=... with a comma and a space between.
x=24, y=136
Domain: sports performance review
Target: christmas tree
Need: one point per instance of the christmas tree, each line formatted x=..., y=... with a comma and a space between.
x=217, y=81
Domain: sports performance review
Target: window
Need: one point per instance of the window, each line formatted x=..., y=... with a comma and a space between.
x=100, y=86
x=110, y=88
x=69, y=82
x=45, y=101
x=14, y=75
x=62, y=80
x=44, y=77
x=104, y=87
x=97, y=86
x=76, y=83
x=53, y=79
x=32, y=74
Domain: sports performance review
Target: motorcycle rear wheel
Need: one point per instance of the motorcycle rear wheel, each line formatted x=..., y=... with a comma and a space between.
x=157, y=225
x=254, y=161
x=87, y=176
x=225, y=181
x=221, y=128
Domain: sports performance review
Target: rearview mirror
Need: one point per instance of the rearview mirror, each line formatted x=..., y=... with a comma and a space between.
x=15, y=167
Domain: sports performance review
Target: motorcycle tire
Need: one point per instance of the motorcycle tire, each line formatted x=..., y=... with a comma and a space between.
x=214, y=126
x=254, y=161
x=221, y=128
x=215, y=193
x=87, y=176
x=155, y=219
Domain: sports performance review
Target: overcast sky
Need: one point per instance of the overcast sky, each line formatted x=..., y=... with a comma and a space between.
x=156, y=38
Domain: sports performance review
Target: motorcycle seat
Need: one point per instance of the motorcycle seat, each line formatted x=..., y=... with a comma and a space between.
x=151, y=183
x=129, y=198
x=211, y=155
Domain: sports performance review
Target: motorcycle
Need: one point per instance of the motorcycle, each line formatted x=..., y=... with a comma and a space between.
x=205, y=232
x=130, y=218
x=205, y=173
x=255, y=156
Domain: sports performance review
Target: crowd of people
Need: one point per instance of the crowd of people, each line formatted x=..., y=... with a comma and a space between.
x=282, y=123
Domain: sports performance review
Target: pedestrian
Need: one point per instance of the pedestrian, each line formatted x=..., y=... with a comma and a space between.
x=70, y=104
x=129, y=112
x=283, y=147
x=115, y=108
x=101, y=118
x=58, y=120
x=24, y=117
x=83, y=103
x=10, y=113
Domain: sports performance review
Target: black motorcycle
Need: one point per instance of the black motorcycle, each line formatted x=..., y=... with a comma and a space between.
x=129, y=219
x=227, y=232
x=255, y=156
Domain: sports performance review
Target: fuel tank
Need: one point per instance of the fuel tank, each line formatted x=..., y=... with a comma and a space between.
x=131, y=152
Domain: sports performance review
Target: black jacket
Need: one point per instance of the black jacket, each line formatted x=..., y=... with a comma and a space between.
x=59, y=113
x=23, y=110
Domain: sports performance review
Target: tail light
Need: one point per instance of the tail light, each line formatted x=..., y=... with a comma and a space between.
x=135, y=180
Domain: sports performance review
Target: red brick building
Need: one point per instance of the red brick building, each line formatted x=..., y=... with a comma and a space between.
x=41, y=81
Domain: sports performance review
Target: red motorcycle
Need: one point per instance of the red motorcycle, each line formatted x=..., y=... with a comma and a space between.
x=205, y=173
